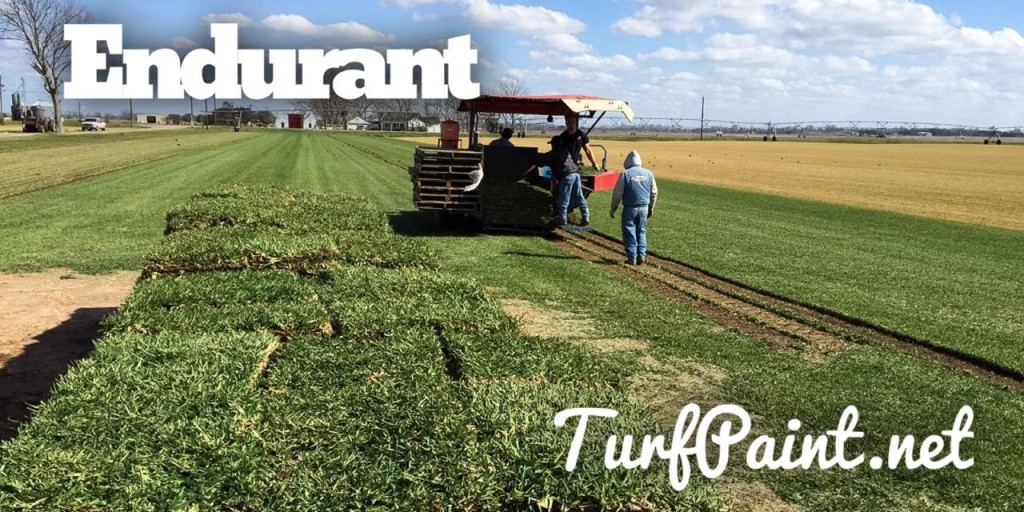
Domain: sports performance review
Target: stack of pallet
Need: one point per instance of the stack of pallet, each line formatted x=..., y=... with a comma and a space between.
x=440, y=177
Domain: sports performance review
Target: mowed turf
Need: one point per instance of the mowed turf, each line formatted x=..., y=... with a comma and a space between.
x=971, y=183
x=44, y=160
x=111, y=221
x=956, y=285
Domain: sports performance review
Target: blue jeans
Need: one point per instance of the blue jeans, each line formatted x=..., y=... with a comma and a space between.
x=570, y=196
x=634, y=231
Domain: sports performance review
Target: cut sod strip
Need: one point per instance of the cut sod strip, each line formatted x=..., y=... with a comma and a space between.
x=524, y=454
x=301, y=212
x=146, y=421
x=380, y=424
x=373, y=424
x=367, y=301
x=247, y=248
x=276, y=300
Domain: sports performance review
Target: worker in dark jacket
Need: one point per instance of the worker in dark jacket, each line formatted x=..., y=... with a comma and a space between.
x=505, y=141
x=637, y=191
x=568, y=187
x=576, y=141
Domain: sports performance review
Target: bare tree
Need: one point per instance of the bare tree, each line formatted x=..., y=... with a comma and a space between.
x=40, y=25
x=403, y=105
x=334, y=110
x=510, y=86
x=445, y=109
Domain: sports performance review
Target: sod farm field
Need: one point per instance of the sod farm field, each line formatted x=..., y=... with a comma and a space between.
x=293, y=349
x=971, y=183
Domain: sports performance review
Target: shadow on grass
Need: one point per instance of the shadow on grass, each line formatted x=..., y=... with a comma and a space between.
x=417, y=223
x=540, y=255
x=27, y=379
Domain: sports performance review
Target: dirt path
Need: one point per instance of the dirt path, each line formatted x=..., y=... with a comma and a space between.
x=48, y=320
x=815, y=332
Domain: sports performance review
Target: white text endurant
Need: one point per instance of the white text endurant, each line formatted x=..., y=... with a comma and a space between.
x=240, y=73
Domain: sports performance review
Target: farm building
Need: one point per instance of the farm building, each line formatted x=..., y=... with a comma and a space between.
x=151, y=118
x=357, y=123
x=297, y=120
x=431, y=124
x=407, y=122
x=398, y=122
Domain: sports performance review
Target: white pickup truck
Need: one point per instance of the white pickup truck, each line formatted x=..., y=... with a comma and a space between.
x=93, y=124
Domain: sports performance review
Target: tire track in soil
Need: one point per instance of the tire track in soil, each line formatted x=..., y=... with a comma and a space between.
x=777, y=320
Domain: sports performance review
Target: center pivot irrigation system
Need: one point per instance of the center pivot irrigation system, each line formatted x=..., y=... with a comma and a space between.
x=503, y=187
x=771, y=131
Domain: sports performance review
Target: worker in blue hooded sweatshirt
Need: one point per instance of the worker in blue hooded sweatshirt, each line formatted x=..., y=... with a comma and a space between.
x=637, y=191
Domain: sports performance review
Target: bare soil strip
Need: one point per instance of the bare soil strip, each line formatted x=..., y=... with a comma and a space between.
x=775, y=319
x=48, y=321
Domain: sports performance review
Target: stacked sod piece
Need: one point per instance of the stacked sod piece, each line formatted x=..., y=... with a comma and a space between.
x=517, y=205
x=269, y=361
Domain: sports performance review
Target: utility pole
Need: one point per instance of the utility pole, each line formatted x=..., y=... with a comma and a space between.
x=702, y=118
x=79, y=111
x=131, y=114
x=2, y=99
x=191, y=113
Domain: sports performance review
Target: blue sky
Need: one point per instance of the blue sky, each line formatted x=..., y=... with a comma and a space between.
x=753, y=60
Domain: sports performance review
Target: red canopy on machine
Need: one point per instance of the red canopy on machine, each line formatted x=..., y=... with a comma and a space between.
x=558, y=105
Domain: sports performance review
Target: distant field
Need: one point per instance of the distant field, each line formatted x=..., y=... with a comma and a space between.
x=39, y=161
x=969, y=183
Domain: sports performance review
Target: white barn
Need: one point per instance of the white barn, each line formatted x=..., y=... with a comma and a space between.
x=357, y=123
x=297, y=120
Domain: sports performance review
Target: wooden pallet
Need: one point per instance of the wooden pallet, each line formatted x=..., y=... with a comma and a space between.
x=440, y=177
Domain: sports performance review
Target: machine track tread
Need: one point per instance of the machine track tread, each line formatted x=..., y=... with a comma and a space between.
x=773, y=318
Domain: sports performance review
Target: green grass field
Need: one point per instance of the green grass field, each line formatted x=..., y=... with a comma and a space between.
x=954, y=284
x=46, y=160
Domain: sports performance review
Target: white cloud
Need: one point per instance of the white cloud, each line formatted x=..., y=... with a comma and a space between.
x=346, y=32
x=235, y=17
x=583, y=63
x=14, y=55
x=521, y=18
x=745, y=53
x=290, y=24
x=565, y=42
x=576, y=80
x=420, y=17
x=413, y=3
x=352, y=31
x=868, y=27
x=546, y=27
x=669, y=54
x=772, y=83
x=183, y=43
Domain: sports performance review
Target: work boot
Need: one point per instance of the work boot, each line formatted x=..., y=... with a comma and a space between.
x=585, y=223
x=630, y=262
x=640, y=260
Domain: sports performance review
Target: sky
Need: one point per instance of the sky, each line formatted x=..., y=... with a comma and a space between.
x=753, y=61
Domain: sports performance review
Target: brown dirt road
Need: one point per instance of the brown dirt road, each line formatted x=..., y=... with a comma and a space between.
x=48, y=320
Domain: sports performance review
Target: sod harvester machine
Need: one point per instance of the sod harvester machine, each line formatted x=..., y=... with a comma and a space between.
x=506, y=189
